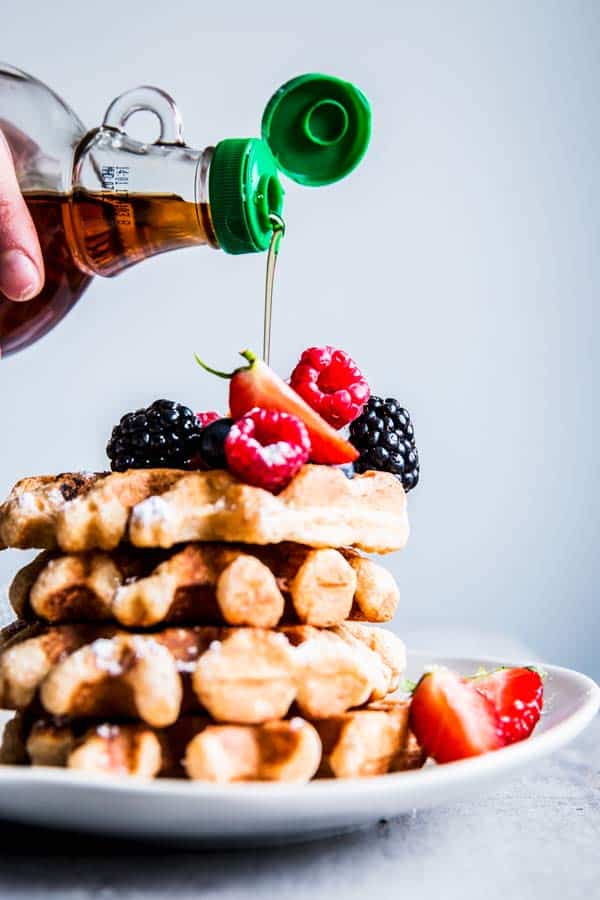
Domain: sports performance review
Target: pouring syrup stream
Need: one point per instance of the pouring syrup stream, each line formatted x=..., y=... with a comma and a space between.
x=278, y=232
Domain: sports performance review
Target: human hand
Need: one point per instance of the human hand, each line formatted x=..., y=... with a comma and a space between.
x=21, y=263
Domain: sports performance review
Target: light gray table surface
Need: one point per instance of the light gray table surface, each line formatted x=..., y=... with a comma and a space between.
x=537, y=835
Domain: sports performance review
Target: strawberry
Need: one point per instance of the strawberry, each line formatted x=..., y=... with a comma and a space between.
x=517, y=696
x=451, y=719
x=331, y=383
x=267, y=448
x=257, y=385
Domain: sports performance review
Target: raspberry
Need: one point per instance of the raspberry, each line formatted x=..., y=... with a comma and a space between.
x=207, y=418
x=331, y=383
x=257, y=385
x=267, y=448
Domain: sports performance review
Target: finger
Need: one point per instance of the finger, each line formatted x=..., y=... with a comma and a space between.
x=21, y=263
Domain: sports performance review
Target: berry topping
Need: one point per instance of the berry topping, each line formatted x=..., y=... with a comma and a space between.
x=165, y=435
x=206, y=418
x=331, y=383
x=385, y=438
x=256, y=385
x=347, y=469
x=267, y=448
x=517, y=696
x=212, y=443
x=451, y=719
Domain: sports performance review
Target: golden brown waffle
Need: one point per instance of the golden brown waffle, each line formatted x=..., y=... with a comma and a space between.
x=244, y=675
x=370, y=741
x=12, y=745
x=126, y=749
x=163, y=507
x=28, y=653
x=343, y=667
x=287, y=750
x=206, y=583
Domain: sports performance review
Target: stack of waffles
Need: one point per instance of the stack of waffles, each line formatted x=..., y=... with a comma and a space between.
x=186, y=624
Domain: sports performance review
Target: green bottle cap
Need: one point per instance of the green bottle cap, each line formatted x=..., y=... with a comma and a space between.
x=315, y=129
x=318, y=128
x=244, y=191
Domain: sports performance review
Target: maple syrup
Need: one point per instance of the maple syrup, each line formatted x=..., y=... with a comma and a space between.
x=278, y=233
x=95, y=233
x=111, y=231
x=23, y=323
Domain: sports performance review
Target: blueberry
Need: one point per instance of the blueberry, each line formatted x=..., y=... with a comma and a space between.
x=211, y=444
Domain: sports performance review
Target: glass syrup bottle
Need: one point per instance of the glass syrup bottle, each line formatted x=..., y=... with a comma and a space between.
x=102, y=201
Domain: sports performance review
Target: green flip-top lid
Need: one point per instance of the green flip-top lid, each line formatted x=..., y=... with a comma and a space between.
x=315, y=129
x=244, y=191
x=318, y=128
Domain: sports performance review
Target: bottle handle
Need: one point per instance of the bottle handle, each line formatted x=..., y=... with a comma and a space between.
x=147, y=99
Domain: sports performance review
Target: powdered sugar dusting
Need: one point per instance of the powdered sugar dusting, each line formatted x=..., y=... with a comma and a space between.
x=141, y=645
x=186, y=665
x=107, y=731
x=105, y=653
x=28, y=503
x=150, y=511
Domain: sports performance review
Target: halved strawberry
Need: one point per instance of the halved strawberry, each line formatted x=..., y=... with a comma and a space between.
x=257, y=385
x=517, y=696
x=451, y=719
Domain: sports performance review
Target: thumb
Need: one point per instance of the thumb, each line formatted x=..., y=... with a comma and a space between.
x=21, y=263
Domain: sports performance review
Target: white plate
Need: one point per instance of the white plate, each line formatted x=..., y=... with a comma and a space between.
x=254, y=813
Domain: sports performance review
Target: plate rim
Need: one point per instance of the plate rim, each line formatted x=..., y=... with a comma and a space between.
x=475, y=768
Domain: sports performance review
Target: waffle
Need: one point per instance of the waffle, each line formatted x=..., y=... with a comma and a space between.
x=13, y=751
x=206, y=583
x=370, y=741
x=163, y=507
x=239, y=675
x=126, y=749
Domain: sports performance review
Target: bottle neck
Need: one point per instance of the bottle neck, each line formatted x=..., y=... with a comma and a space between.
x=131, y=201
x=202, y=197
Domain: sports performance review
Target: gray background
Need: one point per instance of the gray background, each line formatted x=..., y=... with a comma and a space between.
x=459, y=265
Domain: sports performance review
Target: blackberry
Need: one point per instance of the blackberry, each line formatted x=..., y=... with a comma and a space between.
x=212, y=443
x=385, y=438
x=165, y=435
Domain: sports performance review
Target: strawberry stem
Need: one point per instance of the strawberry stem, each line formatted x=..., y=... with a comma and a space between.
x=407, y=686
x=250, y=356
x=538, y=670
x=247, y=354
